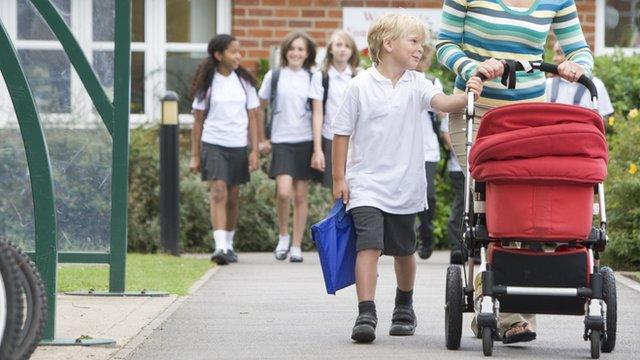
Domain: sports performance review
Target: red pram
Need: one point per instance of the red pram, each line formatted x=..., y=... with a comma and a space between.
x=536, y=168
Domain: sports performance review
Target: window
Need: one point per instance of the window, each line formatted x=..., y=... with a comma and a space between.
x=181, y=68
x=49, y=75
x=622, y=19
x=169, y=39
x=191, y=21
x=30, y=23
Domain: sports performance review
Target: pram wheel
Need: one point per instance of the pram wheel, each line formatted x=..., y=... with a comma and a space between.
x=487, y=341
x=595, y=344
x=610, y=298
x=453, y=308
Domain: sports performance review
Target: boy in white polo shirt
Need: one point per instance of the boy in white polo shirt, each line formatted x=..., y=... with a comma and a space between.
x=378, y=162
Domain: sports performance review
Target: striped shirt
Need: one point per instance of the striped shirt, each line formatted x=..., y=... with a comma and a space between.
x=475, y=30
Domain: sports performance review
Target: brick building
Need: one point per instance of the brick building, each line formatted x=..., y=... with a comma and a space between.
x=169, y=39
x=260, y=24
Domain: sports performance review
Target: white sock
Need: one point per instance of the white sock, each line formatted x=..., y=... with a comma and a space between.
x=230, y=235
x=283, y=242
x=220, y=238
x=295, y=252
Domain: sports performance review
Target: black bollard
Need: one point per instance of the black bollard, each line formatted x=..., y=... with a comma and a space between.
x=169, y=174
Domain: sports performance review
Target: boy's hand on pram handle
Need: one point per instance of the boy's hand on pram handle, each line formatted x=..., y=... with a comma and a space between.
x=474, y=85
x=570, y=71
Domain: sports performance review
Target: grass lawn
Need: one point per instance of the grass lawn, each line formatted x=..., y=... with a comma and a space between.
x=155, y=272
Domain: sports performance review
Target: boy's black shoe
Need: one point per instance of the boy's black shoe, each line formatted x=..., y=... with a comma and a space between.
x=232, y=256
x=403, y=322
x=425, y=250
x=219, y=257
x=458, y=256
x=364, y=330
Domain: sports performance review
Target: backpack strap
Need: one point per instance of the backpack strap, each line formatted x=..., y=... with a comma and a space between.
x=577, y=98
x=325, y=96
x=555, y=87
x=275, y=76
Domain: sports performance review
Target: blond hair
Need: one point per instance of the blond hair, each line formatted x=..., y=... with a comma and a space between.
x=354, y=60
x=392, y=26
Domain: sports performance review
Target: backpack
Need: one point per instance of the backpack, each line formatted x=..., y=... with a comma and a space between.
x=209, y=94
x=325, y=87
x=555, y=87
x=275, y=76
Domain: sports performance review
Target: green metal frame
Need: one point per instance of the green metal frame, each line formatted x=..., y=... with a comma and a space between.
x=116, y=119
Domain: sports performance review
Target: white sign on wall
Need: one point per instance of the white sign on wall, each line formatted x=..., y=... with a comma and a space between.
x=357, y=20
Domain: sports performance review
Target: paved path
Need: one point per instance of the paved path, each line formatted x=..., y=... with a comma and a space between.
x=263, y=309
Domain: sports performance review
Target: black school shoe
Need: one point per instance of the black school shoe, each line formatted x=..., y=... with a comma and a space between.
x=219, y=257
x=232, y=256
x=403, y=322
x=364, y=330
x=425, y=250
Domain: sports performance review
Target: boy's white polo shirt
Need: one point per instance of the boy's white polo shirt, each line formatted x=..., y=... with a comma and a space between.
x=385, y=161
x=292, y=119
x=431, y=144
x=227, y=121
x=338, y=82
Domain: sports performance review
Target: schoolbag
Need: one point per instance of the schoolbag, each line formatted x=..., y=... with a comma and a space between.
x=325, y=87
x=555, y=87
x=275, y=76
x=209, y=93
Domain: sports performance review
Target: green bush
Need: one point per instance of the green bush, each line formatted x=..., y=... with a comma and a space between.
x=621, y=76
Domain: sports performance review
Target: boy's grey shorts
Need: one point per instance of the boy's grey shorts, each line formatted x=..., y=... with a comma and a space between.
x=375, y=229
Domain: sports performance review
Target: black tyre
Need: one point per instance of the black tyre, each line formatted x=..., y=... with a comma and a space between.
x=595, y=344
x=11, y=305
x=453, y=308
x=35, y=304
x=610, y=298
x=487, y=341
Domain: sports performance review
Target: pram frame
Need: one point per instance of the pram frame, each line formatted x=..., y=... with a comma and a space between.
x=476, y=239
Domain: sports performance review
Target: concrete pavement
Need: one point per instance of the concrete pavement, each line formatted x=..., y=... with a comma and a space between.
x=264, y=309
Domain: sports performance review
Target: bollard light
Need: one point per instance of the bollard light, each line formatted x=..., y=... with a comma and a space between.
x=169, y=114
x=169, y=174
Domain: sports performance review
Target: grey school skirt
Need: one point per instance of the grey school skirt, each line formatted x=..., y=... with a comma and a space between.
x=292, y=159
x=224, y=163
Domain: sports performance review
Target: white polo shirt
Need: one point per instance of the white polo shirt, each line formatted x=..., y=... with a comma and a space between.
x=337, y=85
x=567, y=91
x=227, y=121
x=431, y=145
x=292, y=119
x=385, y=161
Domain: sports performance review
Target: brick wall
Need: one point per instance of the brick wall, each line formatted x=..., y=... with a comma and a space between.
x=258, y=24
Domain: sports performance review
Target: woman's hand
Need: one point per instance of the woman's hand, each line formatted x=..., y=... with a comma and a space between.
x=475, y=86
x=341, y=190
x=570, y=71
x=490, y=68
x=194, y=164
x=317, y=161
x=265, y=147
x=254, y=160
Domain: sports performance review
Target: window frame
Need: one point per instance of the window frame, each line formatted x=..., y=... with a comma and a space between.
x=600, y=48
x=154, y=47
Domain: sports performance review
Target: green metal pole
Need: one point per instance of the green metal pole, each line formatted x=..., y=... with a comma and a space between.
x=120, y=175
x=39, y=173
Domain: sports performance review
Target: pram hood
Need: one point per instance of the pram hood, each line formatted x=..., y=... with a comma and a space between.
x=540, y=141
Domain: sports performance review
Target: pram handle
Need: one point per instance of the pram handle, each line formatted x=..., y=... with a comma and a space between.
x=510, y=67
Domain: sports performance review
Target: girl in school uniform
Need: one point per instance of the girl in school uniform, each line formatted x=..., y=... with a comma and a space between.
x=224, y=108
x=327, y=87
x=286, y=90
